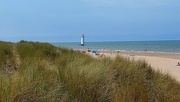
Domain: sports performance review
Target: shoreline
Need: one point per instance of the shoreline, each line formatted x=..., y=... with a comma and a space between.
x=135, y=53
x=132, y=51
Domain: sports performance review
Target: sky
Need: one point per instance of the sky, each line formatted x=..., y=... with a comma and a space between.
x=98, y=20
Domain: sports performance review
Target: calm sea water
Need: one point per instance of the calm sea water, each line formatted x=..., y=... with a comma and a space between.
x=172, y=47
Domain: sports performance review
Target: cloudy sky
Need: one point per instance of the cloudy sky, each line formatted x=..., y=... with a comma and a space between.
x=99, y=20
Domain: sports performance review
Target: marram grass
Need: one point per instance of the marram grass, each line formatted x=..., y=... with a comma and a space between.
x=40, y=72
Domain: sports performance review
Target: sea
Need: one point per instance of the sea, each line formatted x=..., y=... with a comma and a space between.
x=167, y=47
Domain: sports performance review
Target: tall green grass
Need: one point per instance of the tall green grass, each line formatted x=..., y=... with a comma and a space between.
x=50, y=74
x=6, y=56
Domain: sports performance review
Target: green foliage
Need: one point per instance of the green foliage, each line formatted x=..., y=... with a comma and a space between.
x=36, y=50
x=50, y=74
x=6, y=55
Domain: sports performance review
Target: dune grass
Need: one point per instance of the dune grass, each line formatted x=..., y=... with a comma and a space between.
x=6, y=56
x=50, y=74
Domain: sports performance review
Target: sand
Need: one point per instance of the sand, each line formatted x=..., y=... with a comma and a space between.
x=165, y=63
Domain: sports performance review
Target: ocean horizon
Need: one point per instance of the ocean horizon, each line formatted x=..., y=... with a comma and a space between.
x=166, y=46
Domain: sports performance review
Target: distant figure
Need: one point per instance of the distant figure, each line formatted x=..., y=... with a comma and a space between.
x=178, y=64
x=145, y=50
x=89, y=50
x=94, y=52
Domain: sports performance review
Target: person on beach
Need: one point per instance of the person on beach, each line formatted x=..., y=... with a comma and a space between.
x=89, y=50
x=178, y=64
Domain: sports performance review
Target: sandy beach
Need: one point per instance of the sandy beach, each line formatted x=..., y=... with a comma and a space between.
x=165, y=63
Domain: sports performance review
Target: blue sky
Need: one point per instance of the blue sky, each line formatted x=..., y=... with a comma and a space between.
x=99, y=20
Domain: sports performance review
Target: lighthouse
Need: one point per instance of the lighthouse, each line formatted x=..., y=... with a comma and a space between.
x=82, y=40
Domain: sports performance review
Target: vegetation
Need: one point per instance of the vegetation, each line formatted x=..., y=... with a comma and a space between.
x=40, y=72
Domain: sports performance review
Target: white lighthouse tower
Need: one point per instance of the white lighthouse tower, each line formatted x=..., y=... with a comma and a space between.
x=82, y=40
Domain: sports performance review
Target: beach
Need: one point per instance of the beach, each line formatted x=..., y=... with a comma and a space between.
x=165, y=63
x=163, y=56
